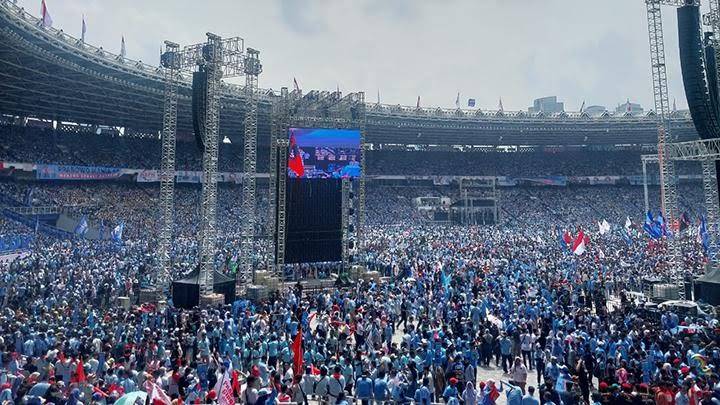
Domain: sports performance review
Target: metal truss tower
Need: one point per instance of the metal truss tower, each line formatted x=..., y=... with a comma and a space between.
x=662, y=108
x=345, y=209
x=278, y=130
x=362, y=118
x=281, y=147
x=208, y=219
x=171, y=70
x=253, y=68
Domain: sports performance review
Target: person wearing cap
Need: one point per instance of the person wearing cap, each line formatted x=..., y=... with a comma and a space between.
x=451, y=391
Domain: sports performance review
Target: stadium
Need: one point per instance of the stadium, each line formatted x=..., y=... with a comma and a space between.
x=169, y=235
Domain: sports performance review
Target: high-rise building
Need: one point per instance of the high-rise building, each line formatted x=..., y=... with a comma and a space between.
x=547, y=105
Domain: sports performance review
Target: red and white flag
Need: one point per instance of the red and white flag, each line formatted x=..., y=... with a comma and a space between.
x=579, y=245
x=158, y=396
x=46, y=19
x=224, y=390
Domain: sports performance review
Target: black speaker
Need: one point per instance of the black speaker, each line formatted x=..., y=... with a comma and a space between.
x=695, y=81
x=199, y=106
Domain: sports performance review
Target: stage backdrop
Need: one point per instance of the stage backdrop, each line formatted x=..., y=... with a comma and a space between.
x=314, y=220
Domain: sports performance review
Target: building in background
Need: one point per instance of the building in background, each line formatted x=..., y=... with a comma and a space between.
x=632, y=108
x=547, y=105
x=595, y=110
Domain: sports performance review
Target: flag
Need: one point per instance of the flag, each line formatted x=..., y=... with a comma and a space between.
x=628, y=223
x=471, y=102
x=378, y=96
x=101, y=231
x=652, y=227
x=46, y=21
x=224, y=390
x=567, y=238
x=295, y=161
x=457, y=100
x=628, y=106
x=295, y=83
x=603, y=227
x=118, y=231
x=80, y=372
x=158, y=396
x=84, y=29
x=297, y=353
x=418, y=103
x=123, y=52
x=37, y=224
x=703, y=237
x=582, y=107
x=674, y=105
x=501, y=106
x=579, y=245
x=82, y=226
x=626, y=236
x=561, y=238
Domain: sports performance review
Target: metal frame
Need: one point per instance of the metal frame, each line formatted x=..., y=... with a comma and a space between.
x=277, y=131
x=281, y=148
x=706, y=151
x=167, y=168
x=668, y=180
x=246, y=268
x=346, y=186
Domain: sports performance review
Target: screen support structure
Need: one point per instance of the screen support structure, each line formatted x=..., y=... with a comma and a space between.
x=220, y=58
x=171, y=71
x=315, y=109
x=278, y=131
x=246, y=269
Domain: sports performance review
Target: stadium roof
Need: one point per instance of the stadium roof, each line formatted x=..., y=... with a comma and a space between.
x=48, y=74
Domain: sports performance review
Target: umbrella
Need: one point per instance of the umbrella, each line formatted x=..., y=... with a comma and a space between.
x=132, y=398
x=38, y=390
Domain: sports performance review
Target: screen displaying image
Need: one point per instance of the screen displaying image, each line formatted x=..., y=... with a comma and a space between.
x=317, y=153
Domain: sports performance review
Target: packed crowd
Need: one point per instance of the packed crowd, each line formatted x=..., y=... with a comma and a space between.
x=471, y=315
x=44, y=145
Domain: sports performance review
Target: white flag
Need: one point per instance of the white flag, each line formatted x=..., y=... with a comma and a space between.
x=46, y=19
x=122, y=48
x=84, y=29
x=628, y=223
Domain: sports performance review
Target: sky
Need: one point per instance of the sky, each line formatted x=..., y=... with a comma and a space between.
x=517, y=50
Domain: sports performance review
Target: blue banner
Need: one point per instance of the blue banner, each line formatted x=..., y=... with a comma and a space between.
x=9, y=243
x=61, y=172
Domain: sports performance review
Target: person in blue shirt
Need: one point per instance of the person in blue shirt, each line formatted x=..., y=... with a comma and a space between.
x=529, y=398
x=422, y=394
x=451, y=390
x=380, y=388
x=364, y=388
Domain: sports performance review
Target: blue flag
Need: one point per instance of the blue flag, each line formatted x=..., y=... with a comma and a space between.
x=118, y=231
x=82, y=226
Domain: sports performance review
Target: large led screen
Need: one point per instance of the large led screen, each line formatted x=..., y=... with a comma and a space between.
x=320, y=153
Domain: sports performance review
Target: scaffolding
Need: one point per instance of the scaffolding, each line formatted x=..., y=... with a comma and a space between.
x=171, y=69
x=315, y=109
x=246, y=269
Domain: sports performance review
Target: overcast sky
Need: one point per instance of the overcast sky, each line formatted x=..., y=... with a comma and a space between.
x=519, y=50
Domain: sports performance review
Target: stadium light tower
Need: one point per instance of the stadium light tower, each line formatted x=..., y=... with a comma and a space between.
x=219, y=58
x=253, y=68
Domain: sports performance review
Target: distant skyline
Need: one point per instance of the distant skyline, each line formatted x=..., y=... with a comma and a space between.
x=580, y=51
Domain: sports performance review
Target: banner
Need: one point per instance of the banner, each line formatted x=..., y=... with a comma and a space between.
x=148, y=176
x=60, y=172
x=183, y=176
x=544, y=180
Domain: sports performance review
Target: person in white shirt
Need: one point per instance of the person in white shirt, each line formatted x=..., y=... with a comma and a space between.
x=527, y=339
x=518, y=373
